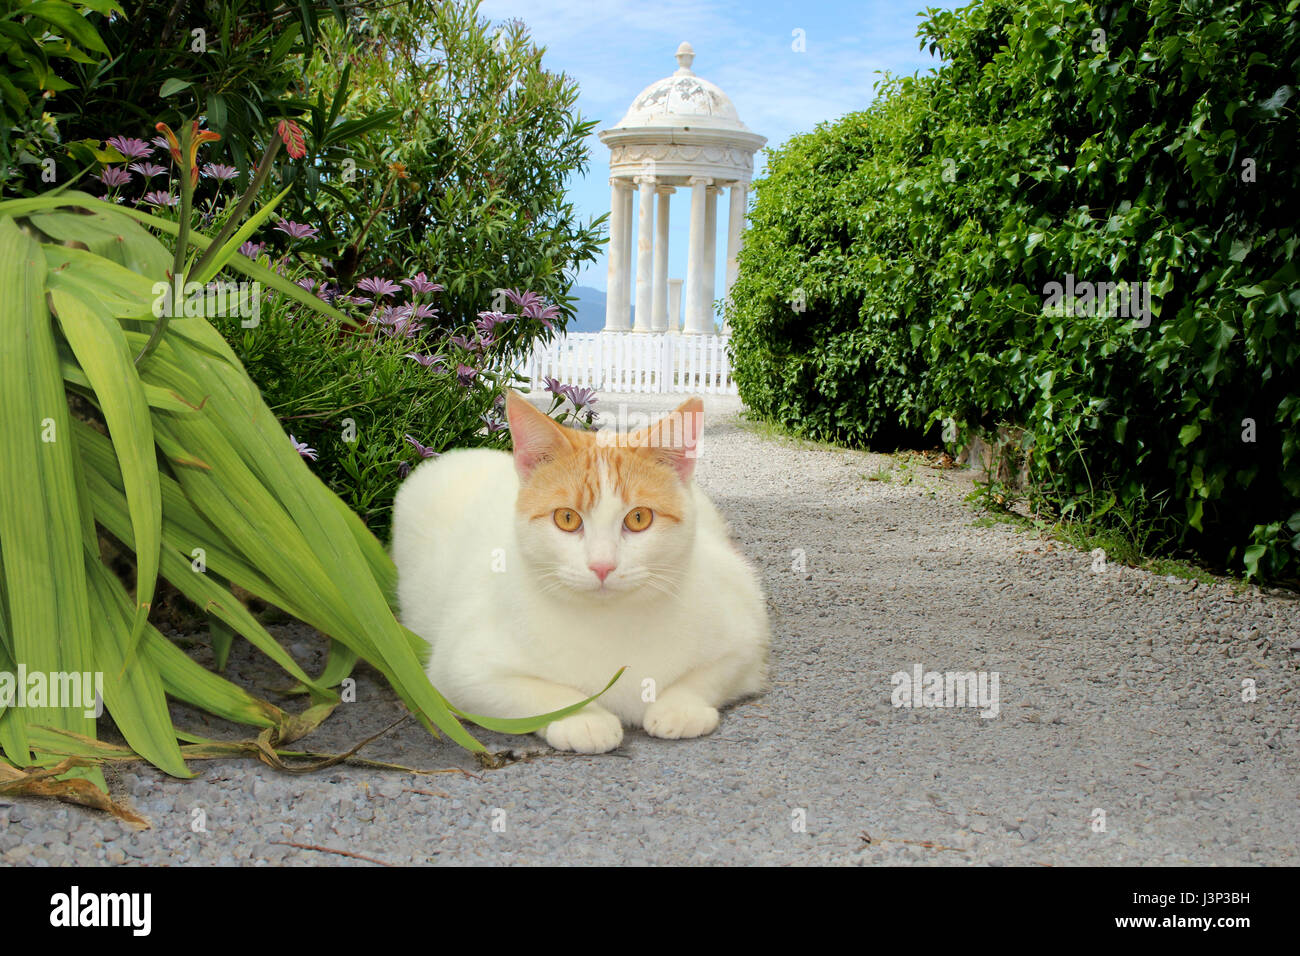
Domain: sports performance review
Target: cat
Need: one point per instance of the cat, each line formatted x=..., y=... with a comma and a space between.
x=536, y=575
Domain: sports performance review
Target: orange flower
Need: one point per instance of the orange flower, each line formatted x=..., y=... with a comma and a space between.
x=197, y=138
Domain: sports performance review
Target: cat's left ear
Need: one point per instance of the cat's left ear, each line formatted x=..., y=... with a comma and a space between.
x=536, y=436
x=675, y=438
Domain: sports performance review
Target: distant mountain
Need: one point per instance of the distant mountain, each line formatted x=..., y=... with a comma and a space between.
x=590, y=309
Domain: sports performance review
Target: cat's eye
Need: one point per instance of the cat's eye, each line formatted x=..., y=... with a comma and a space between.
x=638, y=519
x=566, y=519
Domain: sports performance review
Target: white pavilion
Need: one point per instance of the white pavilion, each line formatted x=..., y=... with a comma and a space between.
x=680, y=131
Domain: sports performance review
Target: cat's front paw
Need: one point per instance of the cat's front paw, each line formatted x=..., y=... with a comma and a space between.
x=677, y=719
x=586, y=732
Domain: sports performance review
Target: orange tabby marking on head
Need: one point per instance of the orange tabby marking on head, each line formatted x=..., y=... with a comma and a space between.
x=573, y=480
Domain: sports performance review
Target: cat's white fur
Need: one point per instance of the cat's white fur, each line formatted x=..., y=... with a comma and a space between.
x=519, y=625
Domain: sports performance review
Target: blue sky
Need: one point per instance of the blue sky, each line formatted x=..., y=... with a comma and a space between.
x=616, y=48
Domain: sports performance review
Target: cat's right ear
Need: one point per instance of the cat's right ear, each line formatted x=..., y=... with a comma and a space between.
x=537, y=438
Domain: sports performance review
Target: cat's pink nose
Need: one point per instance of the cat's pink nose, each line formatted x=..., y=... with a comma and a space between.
x=602, y=570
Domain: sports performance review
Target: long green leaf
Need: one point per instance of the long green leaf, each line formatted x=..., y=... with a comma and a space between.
x=127, y=294
x=198, y=586
x=231, y=246
x=41, y=523
x=100, y=347
x=133, y=694
x=238, y=261
x=109, y=234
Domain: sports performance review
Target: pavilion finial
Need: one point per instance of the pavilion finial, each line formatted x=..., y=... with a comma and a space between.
x=685, y=57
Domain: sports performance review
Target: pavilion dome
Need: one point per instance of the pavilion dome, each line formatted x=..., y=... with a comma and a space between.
x=682, y=100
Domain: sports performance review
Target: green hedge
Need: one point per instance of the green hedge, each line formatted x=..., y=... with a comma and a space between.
x=1061, y=141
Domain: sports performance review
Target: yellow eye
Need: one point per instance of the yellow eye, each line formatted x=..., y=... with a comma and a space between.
x=566, y=519
x=638, y=519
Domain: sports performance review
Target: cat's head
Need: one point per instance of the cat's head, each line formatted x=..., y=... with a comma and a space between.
x=605, y=516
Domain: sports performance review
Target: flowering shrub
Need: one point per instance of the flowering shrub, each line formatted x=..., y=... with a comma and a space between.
x=363, y=402
x=371, y=403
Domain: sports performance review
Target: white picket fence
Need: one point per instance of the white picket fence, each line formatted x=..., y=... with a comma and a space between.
x=635, y=362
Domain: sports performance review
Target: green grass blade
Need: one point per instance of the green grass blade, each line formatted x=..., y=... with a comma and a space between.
x=526, y=725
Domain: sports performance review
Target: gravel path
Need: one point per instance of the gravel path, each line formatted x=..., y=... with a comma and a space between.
x=1119, y=693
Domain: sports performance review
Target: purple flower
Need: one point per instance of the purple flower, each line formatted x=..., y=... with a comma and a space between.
x=494, y=425
x=161, y=143
x=296, y=230
x=148, y=170
x=408, y=327
x=377, y=286
x=469, y=345
x=425, y=360
x=424, y=452
x=159, y=198
x=420, y=284
x=219, y=171
x=487, y=321
x=114, y=176
x=423, y=311
x=523, y=299
x=355, y=300
x=403, y=469
x=308, y=283
x=544, y=315
x=252, y=249
x=580, y=395
x=301, y=448
x=554, y=387
x=131, y=148
x=532, y=306
x=401, y=321
x=465, y=375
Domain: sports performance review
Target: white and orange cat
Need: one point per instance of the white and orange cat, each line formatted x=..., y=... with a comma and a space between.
x=536, y=576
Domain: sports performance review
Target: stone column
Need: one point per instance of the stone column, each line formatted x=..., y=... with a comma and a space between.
x=628, y=259
x=705, y=321
x=659, y=298
x=674, y=305
x=644, y=253
x=698, y=266
x=616, y=291
x=735, y=229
